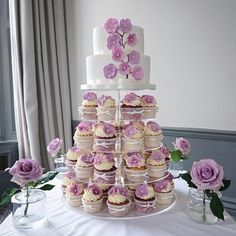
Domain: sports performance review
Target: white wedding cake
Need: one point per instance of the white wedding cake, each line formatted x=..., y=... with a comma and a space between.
x=118, y=61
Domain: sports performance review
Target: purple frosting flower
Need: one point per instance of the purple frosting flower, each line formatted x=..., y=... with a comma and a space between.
x=113, y=41
x=75, y=149
x=124, y=68
x=157, y=156
x=117, y=54
x=169, y=176
x=134, y=159
x=54, y=146
x=148, y=99
x=183, y=145
x=111, y=25
x=125, y=25
x=165, y=151
x=130, y=130
x=76, y=189
x=132, y=40
x=160, y=185
x=134, y=57
x=90, y=96
x=71, y=174
x=153, y=126
x=84, y=126
x=141, y=190
x=130, y=97
x=109, y=129
x=118, y=190
x=103, y=99
x=137, y=72
x=95, y=189
x=207, y=174
x=110, y=71
x=87, y=158
x=25, y=171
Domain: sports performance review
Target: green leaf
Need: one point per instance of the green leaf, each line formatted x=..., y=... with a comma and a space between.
x=209, y=193
x=217, y=207
x=176, y=155
x=226, y=184
x=47, y=187
x=187, y=177
x=6, y=197
x=49, y=176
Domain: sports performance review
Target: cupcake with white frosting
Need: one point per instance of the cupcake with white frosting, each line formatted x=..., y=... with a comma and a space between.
x=156, y=164
x=84, y=166
x=83, y=136
x=145, y=200
x=106, y=108
x=89, y=106
x=118, y=202
x=92, y=198
x=72, y=155
x=149, y=106
x=131, y=107
x=69, y=178
x=74, y=193
x=152, y=135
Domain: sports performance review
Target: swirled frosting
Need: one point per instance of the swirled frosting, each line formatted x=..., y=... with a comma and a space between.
x=152, y=128
x=104, y=161
x=85, y=160
x=89, y=99
x=163, y=186
x=131, y=131
x=132, y=100
x=156, y=159
x=104, y=130
x=84, y=128
x=134, y=159
x=106, y=101
x=148, y=101
x=73, y=153
x=92, y=193
x=117, y=194
x=144, y=191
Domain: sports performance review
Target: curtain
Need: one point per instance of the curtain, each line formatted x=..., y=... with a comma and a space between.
x=40, y=76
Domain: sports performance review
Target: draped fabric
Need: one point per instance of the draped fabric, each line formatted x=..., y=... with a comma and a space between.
x=40, y=76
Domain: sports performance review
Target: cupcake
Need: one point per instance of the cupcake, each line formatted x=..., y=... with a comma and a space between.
x=136, y=171
x=131, y=107
x=69, y=178
x=165, y=151
x=72, y=155
x=156, y=164
x=89, y=106
x=92, y=199
x=84, y=166
x=105, y=137
x=144, y=198
x=133, y=137
x=74, y=193
x=163, y=191
x=83, y=136
x=149, y=106
x=118, y=202
x=104, y=170
x=131, y=191
x=106, y=108
x=152, y=135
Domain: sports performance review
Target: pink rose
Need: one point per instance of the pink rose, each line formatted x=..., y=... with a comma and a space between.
x=207, y=174
x=182, y=145
x=54, y=146
x=137, y=72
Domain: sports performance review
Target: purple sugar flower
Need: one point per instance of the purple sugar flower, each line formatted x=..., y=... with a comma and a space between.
x=157, y=156
x=134, y=159
x=87, y=158
x=134, y=57
x=125, y=25
x=102, y=99
x=165, y=151
x=76, y=189
x=169, y=176
x=98, y=159
x=148, y=99
x=141, y=190
x=153, y=126
x=124, y=68
x=95, y=189
x=137, y=72
x=110, y=71
x=84, y=126
x=117, y=54
x=132, y=40
x=109, y=157
x=118, y=190
x=160, y=185
x=25, y=171
x=130, y=97
x=111, y=25
x=109, y=129
x=113, y=41
x=183, y=145
x=130, y=130
x=71, y=174
x=90, y=96
x=75, y=149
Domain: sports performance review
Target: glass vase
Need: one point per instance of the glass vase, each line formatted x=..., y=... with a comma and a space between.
x=199, y=207
x=28, y=208
x=59, y=163
x=176, y=167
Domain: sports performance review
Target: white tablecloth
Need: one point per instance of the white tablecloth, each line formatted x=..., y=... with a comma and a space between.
x=62, y=221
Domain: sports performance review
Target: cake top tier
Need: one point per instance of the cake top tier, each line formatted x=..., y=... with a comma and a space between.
x=134, y=39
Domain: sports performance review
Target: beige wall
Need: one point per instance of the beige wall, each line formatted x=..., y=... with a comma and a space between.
x=192, y=45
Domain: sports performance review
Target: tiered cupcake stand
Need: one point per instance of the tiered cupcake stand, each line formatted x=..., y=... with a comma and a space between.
x=119, y=152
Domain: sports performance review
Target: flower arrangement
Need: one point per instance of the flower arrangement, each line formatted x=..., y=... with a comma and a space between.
x=120, y=36
x=55, y=147
x=181, y=150
x=28, y=174
x=208, y=176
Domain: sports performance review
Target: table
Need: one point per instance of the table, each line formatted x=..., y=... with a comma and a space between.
x=62, y=221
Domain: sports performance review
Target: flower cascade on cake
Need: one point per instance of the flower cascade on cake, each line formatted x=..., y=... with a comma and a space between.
x=126, y=62
x=118, y=202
